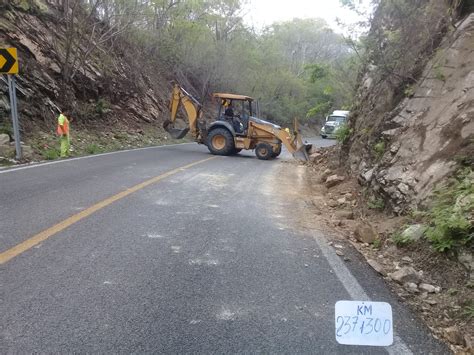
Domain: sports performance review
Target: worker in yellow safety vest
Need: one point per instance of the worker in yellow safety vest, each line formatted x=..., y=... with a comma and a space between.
x=63, y=133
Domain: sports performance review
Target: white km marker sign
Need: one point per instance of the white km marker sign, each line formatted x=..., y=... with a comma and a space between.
x=364, y=323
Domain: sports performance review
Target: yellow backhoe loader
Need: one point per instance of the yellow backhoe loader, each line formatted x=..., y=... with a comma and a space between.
x=235, y=127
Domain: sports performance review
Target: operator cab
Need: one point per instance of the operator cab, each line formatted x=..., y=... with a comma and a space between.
x=235, y=109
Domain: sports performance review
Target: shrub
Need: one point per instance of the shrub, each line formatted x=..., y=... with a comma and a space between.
x=50, y=154
x=409, y=91
x=439, y=73
x=379, y=149
x=450, y=223
x=7, y=128
x=343, y=132
x=102, y=107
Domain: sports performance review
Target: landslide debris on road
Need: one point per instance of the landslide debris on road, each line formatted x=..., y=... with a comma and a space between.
x=405, y=167
x=435, y=285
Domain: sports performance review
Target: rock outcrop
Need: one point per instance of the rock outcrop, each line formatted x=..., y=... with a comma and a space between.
x=413, y=125
x=113, y=85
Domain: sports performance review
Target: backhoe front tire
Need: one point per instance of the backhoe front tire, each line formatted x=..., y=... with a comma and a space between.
x=220, y=142
x=276, y=152
x=264, y=151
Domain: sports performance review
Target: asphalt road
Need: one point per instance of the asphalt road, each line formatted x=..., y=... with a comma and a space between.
x=191, y=262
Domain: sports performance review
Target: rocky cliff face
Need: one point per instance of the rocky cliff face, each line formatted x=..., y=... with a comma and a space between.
x=114, y=85
x=414, y=121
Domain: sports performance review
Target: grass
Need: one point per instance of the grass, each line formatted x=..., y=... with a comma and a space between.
x=400, y=240
x=377, y=243
x=468, y=311
x=439, y=73
x=376, y=204
x=94, y=149
x=50, y=154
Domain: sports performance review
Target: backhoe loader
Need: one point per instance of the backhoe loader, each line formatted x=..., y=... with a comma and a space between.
x=234, y=129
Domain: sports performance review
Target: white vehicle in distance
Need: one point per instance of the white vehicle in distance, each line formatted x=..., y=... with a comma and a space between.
x=333, y=122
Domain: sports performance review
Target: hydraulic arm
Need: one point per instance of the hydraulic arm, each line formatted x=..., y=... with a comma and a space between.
x=191, y=106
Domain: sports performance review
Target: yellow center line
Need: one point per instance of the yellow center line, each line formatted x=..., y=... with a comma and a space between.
x=42, y=236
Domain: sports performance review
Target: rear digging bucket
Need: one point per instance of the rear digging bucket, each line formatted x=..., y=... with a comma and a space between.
x=176, y=133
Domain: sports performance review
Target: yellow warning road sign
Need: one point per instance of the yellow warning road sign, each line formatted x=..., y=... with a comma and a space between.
x=8, y=61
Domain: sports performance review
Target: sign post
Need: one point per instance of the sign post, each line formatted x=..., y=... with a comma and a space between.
x=9, y=66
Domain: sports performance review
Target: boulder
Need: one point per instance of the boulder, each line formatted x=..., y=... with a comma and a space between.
x=365, y=233
x=368, y=175
x=314, y=157
x=405, y=274
x=4, y=139
x=325, y=174
x=469, y=343
x=454, y=335
x=427, y=288
x=7, y=151
x=411, y=287
x=377, y=267
x=334, y=180
x=344, y=214
x=332, y=203
x=431, y=301
x=413, y=233
x=341, y=201
x=26, y=151
x=465, y=257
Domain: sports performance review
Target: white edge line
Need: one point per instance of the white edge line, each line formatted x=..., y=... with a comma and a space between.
x=35, y=165
x=355, y=290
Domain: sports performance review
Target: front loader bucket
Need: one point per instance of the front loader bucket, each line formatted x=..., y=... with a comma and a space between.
x=302, y=149
x=302, y=153
x=176, y=133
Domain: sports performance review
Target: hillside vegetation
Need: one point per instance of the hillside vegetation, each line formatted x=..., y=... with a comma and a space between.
x=112, y=63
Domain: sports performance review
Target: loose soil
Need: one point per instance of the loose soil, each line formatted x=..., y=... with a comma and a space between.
x=317, y=208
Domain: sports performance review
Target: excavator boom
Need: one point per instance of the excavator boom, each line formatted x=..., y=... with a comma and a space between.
x=192, y=107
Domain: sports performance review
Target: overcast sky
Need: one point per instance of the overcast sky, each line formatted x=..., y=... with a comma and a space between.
x=264, y=12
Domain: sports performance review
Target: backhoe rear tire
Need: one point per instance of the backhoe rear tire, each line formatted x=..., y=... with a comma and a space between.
x=264, y=151
x=220, y=142
x=276, y=152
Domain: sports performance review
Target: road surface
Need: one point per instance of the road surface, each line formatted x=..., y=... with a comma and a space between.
x=172, y=250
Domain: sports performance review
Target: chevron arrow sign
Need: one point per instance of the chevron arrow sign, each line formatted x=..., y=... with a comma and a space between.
x=8, y=61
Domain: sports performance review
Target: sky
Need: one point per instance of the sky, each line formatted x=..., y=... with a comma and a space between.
x=261, y=13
